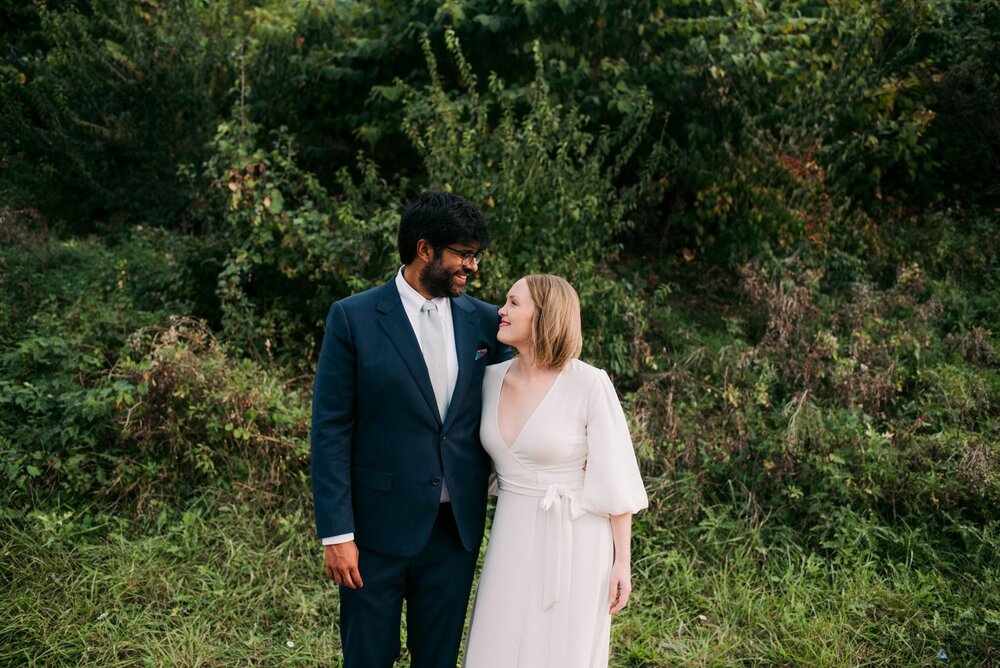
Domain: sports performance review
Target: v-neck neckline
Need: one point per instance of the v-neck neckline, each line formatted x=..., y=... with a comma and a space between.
x=534, y=411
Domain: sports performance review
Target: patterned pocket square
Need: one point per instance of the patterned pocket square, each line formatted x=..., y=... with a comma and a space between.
x=481, y=353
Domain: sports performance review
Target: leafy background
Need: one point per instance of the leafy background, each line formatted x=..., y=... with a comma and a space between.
x=780, y=217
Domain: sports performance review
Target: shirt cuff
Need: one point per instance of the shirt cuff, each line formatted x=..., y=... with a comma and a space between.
x=336, y=540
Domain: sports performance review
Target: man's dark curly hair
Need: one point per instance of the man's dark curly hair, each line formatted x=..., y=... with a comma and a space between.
x=442, y=218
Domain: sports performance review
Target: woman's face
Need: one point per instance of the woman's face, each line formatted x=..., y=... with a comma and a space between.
x=516, y=316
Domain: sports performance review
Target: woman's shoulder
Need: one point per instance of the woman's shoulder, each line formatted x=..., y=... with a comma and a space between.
x=583, y=373
x=498, y=369
x=493, y=377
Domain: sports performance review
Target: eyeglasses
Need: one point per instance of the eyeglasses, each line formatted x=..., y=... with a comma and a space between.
x=467, y=256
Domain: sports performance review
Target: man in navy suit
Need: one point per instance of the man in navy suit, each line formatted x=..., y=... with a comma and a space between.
x=398, y=473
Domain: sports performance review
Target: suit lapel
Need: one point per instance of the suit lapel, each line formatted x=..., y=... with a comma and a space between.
x=393, y=321
x=463, y=321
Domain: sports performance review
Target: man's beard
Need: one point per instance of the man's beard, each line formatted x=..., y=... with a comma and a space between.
x=439, y=281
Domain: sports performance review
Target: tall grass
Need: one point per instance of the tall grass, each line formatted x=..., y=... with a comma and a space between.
x=217, y=585
x=222, y=584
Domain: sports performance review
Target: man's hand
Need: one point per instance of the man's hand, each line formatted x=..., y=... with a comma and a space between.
x=342, y=564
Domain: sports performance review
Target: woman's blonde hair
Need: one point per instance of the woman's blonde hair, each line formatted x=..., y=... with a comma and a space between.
x=556, y=333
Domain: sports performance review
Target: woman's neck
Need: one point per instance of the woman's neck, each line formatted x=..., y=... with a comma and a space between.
x=527, y=368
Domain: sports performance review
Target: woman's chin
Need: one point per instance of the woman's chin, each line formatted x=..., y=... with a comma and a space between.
x=504, y=338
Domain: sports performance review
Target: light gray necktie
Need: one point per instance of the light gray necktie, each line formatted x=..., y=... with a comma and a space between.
x=432, y=344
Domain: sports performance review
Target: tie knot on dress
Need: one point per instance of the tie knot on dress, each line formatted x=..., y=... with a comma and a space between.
x=556, y=495
x=428, y=306
x=561, y=508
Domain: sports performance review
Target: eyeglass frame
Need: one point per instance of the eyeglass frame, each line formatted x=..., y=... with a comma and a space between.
x=467, y=256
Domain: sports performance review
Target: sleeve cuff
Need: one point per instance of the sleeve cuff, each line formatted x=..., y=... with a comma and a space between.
x=336, y=540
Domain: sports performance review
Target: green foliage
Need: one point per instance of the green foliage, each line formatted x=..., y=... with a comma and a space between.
x=205, y=419
x=546, y=186
x=795, y=122
x=819, y=402
x=66, y=311
x=98, y=399
x=293, y=248
x=786, y=123
x=313, y=69
x=94, y=122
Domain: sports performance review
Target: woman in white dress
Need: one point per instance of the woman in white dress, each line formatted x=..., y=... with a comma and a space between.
x=557, y=564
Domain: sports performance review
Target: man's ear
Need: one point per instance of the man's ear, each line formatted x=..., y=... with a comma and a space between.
x=425, y=251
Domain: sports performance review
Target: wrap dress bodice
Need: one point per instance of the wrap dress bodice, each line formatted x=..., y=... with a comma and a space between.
x=543, y=593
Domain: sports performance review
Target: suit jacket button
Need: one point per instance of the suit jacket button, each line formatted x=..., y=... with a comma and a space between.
x=436, y=480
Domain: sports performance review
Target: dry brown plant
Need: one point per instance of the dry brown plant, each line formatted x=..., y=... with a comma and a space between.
x=21, y=227
x=974, y=345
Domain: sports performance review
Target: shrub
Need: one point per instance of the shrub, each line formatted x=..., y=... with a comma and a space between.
x=546, y=185
x=292, y=248
x=72, y=383
x=103, y=104
x=822, y=402
x=202, y=418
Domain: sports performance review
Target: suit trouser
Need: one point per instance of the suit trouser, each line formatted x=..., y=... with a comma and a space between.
x=436, y=585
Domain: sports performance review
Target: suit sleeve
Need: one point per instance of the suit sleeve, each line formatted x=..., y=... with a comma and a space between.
x=333, y=415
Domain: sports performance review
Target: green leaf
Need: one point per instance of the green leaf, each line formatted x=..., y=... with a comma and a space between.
x=277, y=201
x=490, y=22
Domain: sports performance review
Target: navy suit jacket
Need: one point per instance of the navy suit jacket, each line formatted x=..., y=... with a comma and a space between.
x=379, y=448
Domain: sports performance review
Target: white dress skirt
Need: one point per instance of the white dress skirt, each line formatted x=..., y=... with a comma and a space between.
x=542, y=600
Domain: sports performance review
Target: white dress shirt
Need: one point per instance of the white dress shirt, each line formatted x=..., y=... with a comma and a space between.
x=413, y=301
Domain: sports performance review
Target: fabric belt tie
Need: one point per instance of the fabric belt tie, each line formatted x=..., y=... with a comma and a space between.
x=561, y=506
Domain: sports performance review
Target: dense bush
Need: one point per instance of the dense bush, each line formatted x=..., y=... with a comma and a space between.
x=103, y=392
x=817, y=403
x=293, y=248
x=544, y=183
x=102, y=101
x=783, y=122
x=546, y=186
x=204, y=419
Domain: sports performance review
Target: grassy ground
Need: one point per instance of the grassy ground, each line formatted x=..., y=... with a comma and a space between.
x=230, y=585
x=219, y=587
